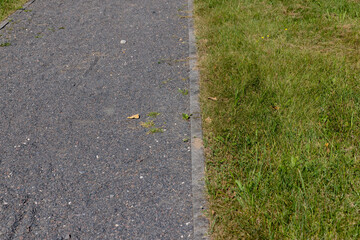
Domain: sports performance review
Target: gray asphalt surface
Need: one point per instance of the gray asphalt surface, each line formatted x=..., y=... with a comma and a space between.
x=72, y=165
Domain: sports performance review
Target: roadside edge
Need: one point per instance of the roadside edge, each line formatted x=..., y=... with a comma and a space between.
x=7, y=20
x=200, y=222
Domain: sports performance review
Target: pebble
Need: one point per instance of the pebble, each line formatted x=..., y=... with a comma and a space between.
x=123, y=41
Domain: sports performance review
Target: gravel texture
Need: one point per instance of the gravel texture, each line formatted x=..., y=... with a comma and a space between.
x=72, y=165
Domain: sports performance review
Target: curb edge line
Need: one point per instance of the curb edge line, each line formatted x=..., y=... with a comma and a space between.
x=6, y=21
x=200, y=222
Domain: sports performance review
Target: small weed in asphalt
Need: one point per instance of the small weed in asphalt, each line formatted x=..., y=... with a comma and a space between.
x=150, y=124
x=186, y=116
x=147, y=124
x=156, y=130
x=183, y=91
x=153, y=114
x=5, y=44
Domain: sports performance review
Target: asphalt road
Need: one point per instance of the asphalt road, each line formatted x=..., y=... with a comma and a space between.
x=72, y=165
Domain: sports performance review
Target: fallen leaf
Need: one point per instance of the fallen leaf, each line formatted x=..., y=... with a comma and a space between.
x=212, y=98
x=208, y=120
x=136, y=116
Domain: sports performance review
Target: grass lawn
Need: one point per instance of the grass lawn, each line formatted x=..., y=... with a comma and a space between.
x=9, y=6
x=283, y=134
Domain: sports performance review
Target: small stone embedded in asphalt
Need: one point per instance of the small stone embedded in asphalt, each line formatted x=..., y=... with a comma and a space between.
x=123, y=41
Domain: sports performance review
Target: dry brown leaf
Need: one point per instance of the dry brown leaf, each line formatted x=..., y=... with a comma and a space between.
x=208, y=120
x=212, y=98
x=136, y=116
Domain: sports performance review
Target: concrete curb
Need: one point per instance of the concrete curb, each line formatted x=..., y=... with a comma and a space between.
x=7, y=20
x=197, y=149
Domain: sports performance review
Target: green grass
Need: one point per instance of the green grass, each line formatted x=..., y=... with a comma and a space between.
x=185, y=116
x=147, y=124
x=9, y=6
x=153, y=114
x=183, y=91
x=151, y=125
x=282, y=145
x=156, y=130
x=5, y=44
